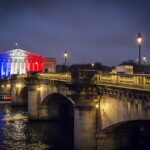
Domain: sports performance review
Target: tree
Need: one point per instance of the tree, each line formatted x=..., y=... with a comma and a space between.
x=97, y=66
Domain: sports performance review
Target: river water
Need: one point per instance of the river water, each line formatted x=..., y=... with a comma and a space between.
x=18, y=133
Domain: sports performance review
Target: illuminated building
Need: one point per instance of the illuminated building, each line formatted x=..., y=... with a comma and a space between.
x=49, y=65
x=18, y=61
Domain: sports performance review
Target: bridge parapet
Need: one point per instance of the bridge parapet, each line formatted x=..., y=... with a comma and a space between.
x=140, y=81
x=56, y=76
x=127, y=80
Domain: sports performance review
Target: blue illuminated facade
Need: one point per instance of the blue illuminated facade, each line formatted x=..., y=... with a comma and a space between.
x=4, y=64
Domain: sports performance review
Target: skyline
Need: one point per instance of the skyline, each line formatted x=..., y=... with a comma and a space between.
x=90, y=30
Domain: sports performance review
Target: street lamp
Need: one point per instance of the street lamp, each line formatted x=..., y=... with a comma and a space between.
x=65, y=57
x=139, y=40
x=97, y=117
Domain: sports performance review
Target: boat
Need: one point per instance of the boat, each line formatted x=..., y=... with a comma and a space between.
x=5, y=97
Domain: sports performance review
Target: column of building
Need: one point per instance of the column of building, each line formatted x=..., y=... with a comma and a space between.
x=1, y=65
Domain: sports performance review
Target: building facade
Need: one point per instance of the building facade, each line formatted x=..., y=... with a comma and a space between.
x=49, y=65
x=18, y=61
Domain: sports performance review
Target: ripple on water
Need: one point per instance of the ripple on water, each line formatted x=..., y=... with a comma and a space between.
x=14, y=134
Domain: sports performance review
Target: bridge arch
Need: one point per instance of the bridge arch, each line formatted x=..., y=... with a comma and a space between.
x=130, y=125
x=132, y=134
x=58, y=107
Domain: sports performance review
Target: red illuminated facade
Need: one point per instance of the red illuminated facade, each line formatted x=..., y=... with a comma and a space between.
x=34, y=63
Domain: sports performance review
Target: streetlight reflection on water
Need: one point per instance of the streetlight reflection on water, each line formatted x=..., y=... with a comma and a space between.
x=17, y=132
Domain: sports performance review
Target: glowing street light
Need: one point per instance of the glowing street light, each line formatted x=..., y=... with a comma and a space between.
x=38, y=89
x=18, y=85
x=97, y=106
x=144, y=59
x=93, y=65
x=8, y=85
x=65, y=57
x=16, y=44
x=139, y=40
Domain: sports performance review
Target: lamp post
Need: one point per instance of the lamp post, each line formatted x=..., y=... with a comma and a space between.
x=139, y=40
x=65, y=57
x=97, y=115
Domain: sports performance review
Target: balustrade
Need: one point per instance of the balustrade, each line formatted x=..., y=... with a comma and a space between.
x=136, y=80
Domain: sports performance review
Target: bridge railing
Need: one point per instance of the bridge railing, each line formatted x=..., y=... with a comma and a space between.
x=56, y=76
x=135, y=80
x=127, y=80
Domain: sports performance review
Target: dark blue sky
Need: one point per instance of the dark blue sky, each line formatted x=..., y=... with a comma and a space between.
x=90, y=30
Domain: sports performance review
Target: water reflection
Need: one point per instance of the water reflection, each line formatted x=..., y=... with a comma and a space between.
x=17, y=133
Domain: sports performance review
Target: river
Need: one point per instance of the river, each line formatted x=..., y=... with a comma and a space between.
x=18, y=133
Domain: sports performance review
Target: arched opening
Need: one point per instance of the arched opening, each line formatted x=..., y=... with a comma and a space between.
x=134, y=134
x=58, y=107
x=24, y=95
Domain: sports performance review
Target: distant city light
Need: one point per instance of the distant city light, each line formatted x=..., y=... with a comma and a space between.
x=144, y=59
x=16, y=44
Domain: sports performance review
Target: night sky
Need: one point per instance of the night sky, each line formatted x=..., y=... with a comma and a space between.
x=90, y=30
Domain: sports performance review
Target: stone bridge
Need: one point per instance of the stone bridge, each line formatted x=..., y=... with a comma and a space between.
x=101, y=101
